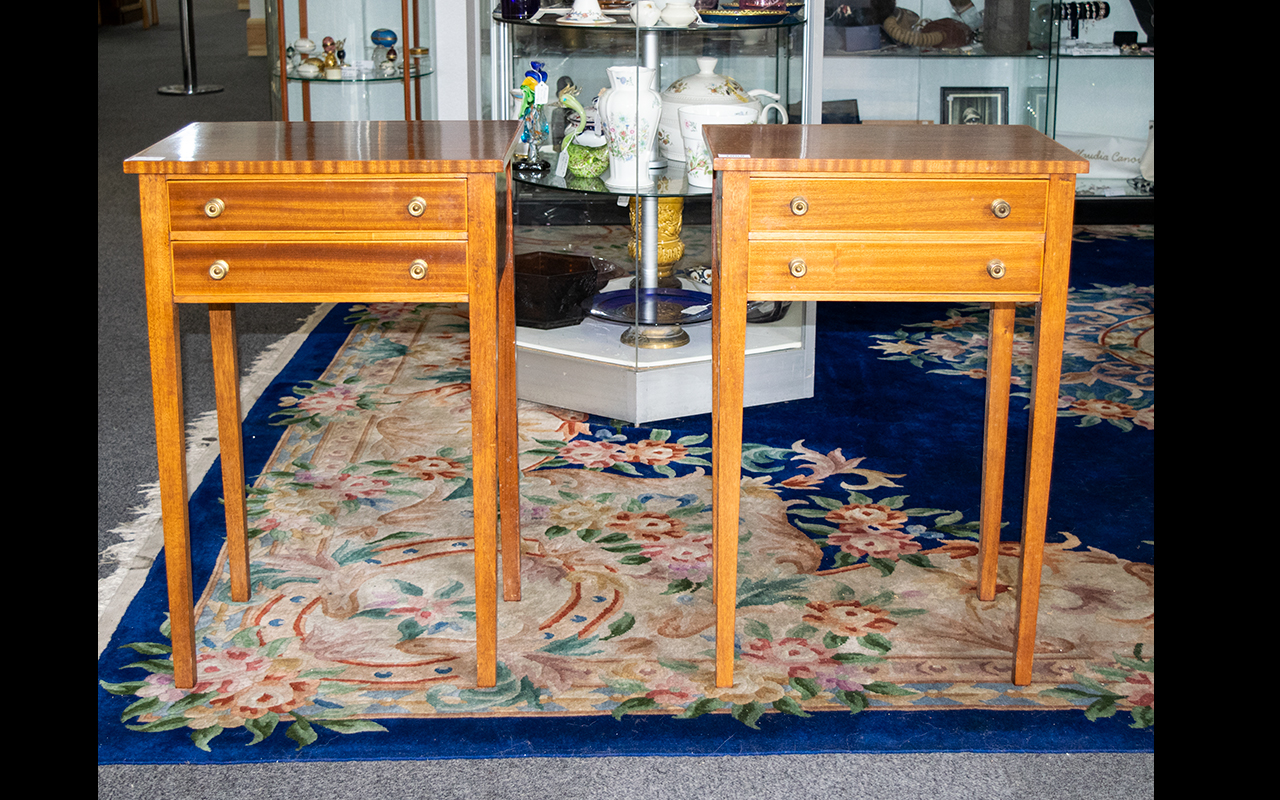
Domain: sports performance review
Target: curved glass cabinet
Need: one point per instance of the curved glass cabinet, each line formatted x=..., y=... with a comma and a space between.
x=368, y=94
x=642, y=351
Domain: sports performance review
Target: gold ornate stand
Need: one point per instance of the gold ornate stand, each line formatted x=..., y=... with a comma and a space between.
x=670, y=248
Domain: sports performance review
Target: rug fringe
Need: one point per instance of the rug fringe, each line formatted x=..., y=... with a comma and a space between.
x=143, y=535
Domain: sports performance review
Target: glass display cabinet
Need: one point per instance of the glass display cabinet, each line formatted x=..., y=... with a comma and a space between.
x=1070, y=81
x=379, y=65
x=922, y=62
x=607, y=188
x=1106, y=100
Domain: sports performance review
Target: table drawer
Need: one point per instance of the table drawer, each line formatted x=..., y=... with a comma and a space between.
x=910, y=268
x=835, y=204
x=258, y=271
x=319, y=205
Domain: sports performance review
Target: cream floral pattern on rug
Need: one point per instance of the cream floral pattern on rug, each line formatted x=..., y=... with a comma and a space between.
x=1109, y=356
x=850, y=597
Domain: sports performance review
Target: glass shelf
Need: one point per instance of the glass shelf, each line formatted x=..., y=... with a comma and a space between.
x=668, y=182
x=905, y=51
x=360, y=77
x=550, y=17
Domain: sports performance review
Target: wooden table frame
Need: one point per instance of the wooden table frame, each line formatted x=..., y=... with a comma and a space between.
x=895, y=213
x=269, y=171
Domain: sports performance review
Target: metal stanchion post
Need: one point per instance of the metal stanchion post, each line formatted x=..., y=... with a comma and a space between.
x=189, y=84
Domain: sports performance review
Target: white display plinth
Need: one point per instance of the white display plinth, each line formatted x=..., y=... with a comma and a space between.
x=587, y=368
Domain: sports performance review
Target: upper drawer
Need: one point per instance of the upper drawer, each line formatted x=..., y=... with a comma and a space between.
x=906, y=204
x=319, y=205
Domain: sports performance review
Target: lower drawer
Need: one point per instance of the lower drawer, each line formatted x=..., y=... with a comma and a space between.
x=318, y=271
x=924, y=270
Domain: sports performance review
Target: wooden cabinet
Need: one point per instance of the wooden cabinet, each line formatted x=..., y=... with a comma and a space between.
x=895, y=213
x=268, y=212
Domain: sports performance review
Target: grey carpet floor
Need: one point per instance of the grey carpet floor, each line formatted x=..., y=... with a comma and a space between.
x=132, y=64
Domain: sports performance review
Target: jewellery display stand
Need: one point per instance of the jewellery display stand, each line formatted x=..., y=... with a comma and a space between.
x=358, y=94
x=656, y=367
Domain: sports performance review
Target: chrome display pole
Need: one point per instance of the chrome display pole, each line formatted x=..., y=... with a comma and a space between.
x=649, y=332
x=189, y=84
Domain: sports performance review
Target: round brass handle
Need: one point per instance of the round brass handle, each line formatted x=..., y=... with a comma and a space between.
x=418, y=269
x=1001, y=208
x=417, y=207
x=995, y=268
x=799, y=205
x=214, y=207
x=218, y=270
x=797, y=268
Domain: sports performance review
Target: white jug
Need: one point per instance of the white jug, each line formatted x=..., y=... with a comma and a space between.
x=645, y=13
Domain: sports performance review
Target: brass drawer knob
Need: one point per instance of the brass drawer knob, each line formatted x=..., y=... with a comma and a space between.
x=218, y=270
x=799, y=205
x=417, y=207
x=797, y=268
x=1001, y=208
x=995, y=268
x=214, y=208
x=418, y=269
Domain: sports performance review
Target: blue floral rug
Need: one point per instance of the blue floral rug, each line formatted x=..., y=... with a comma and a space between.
x=859, y=628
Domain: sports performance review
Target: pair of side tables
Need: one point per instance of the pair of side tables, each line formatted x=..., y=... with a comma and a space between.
x=421, y=212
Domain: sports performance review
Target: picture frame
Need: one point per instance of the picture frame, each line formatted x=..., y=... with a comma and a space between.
x=975, y=105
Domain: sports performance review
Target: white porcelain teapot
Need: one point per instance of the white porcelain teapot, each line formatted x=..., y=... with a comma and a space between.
x=707, y=88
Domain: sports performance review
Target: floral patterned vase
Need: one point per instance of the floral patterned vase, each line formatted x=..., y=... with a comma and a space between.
x=630, y=109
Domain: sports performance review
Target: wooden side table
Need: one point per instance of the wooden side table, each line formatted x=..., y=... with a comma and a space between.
x=411, y=212
x=978, y=213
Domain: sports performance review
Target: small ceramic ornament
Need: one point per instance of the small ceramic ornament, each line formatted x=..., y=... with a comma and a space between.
x=585, y=12
x=302, y=48
x=330, y=54
x=383, y=39
x=645, y=13
x=586, y=153
x=678, y=14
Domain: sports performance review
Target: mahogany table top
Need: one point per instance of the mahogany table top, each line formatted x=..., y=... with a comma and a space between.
x=969, y=149
x=229, y=148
